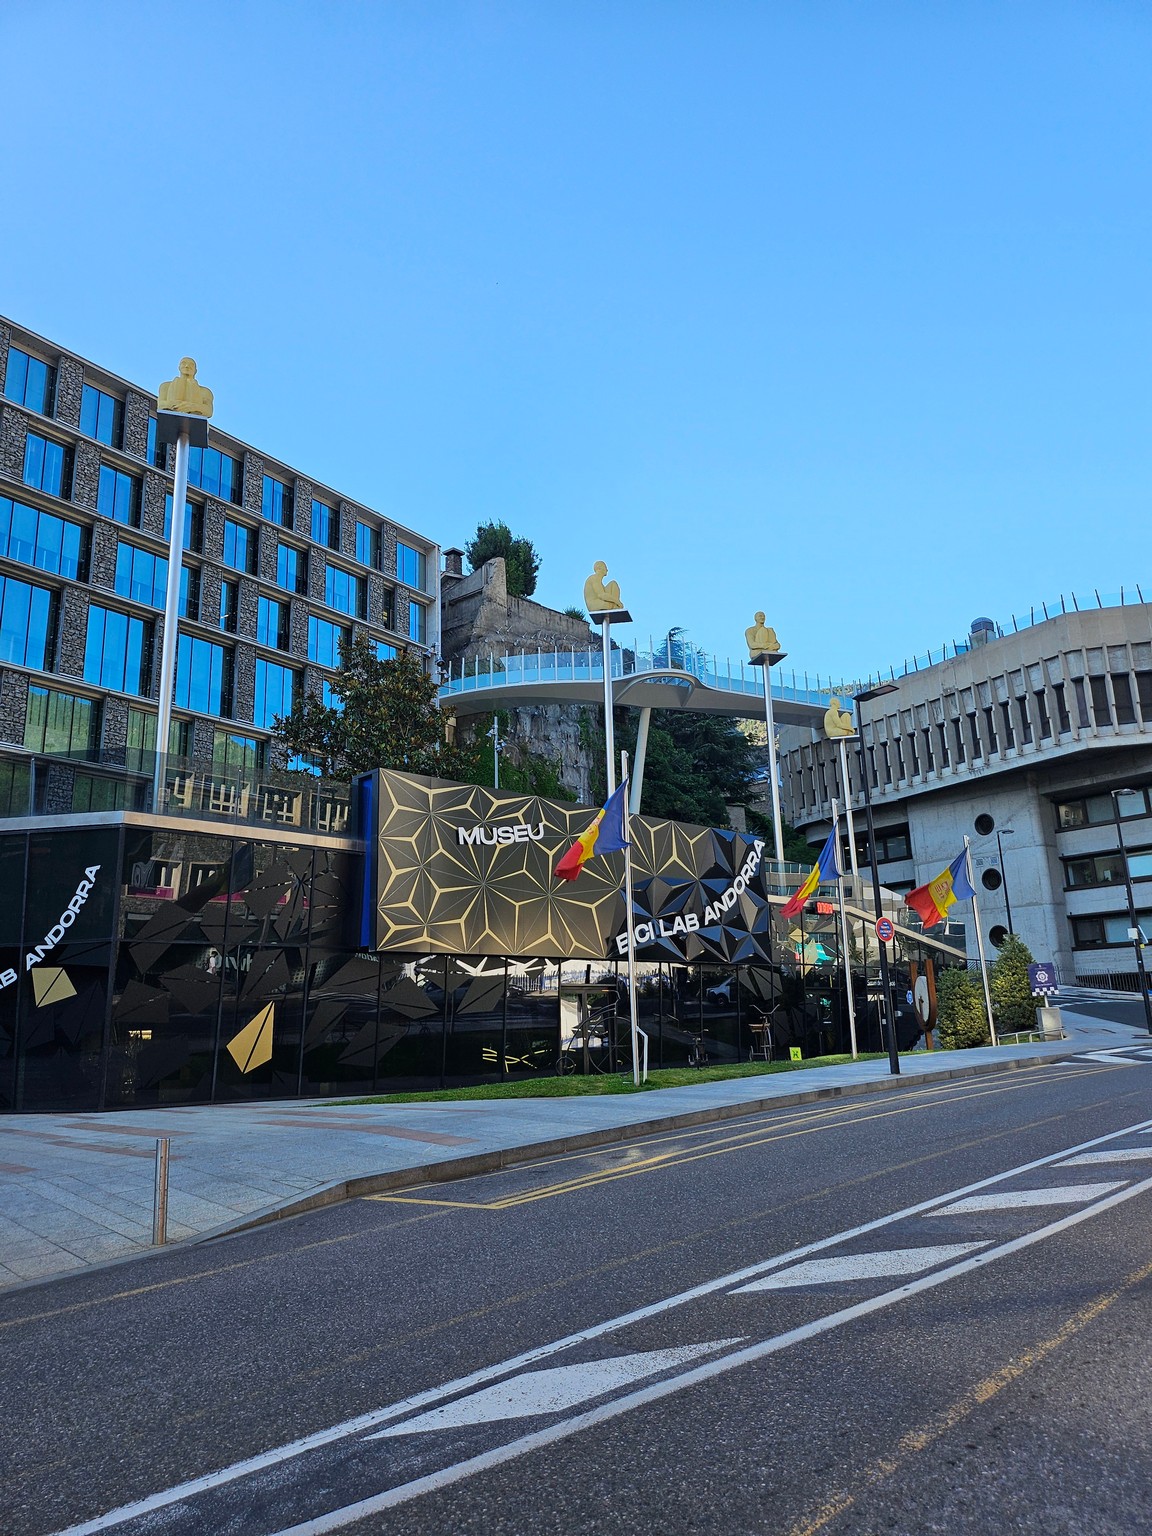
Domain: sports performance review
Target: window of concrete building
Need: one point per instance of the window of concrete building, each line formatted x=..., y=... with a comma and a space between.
x=189, y=592
x=193, y=524
x=1144, y=695
x=1094, y=869
x=325, y=641
x=1098, y=810
x=27, y=623
x=59, y=722
x=386, y=652
x=872, y=767
x=344, y=591
x=42, y=539
x=942, y=731
x=1122, y=693
x=29, y=381
x=229, y=605
x=1063, y=719
x=929, y=761
x=239, y=546
x=974, y=737
x=117, y=650
x=271, y=623
x=291, y=568
x=411, y=567
x=276, y=501
x=217, y=473
x=102, y=416
x=276, y=691
x=958, y=735
x=1025, y=720
x=1101, y=704
x=990, y=730
x=325, y=524
x=141, y=740
x=155, y=454
x=368, y=545
x=1008, y=735
x=417, y=622
x=47, y=465
x=913, y=755
x=1042, y=715
x=203, y=676
x=887, y=763
x=1106, y=929
x=1081, y=696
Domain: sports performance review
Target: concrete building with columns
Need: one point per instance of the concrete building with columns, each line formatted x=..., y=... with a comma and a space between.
x=1022, y=741
x=278, y=569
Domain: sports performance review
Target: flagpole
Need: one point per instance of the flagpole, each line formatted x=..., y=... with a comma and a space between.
x=844, y=944
x=846, y=786
x=979, y=940
x=633, y=1018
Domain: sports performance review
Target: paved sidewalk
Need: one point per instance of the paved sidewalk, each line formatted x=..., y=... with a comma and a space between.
x=76, y=1190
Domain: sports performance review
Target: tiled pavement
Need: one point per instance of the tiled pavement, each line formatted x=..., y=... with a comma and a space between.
x=76, y=1190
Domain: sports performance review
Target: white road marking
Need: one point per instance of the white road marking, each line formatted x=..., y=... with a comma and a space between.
x=277, y=1455
x=337, y=1519
x=860, y=1266
x=1121, y=1155
x=553, y=1390
x=1020, y=1199
x=1111, y=1058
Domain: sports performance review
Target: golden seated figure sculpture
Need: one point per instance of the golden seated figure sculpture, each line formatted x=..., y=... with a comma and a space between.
x=184, y=394
x=601, y=596
x=761, y=640
x=837, y=720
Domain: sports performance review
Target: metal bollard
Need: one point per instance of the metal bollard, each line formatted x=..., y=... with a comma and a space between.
x=160, y=1197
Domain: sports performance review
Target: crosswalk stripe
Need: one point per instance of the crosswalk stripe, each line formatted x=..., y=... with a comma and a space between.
x=1019, y=1199
x=1120, y=1155
x=859, y=1266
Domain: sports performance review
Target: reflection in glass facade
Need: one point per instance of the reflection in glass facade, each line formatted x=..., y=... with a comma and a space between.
x=203, y=676
x=117, y=650
x=276, y=689
x=216, y=473
x=45, y=464
x=26, y=623
x=118, y=496
x=101, y=416
x=29, y=382
x=41, y=539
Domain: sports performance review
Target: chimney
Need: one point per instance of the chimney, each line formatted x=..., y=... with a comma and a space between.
x=453, y=562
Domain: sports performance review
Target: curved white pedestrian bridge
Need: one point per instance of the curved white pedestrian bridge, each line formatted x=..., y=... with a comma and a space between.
x=639, y=681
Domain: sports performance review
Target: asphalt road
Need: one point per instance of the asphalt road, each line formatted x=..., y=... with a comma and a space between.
x=629, y=1341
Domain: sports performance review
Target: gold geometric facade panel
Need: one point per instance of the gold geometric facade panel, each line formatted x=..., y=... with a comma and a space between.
x=50, y=985
x=467, y=870
x=252, y=1047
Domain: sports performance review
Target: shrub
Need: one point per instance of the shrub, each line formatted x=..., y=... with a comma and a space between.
x=960, y=1018
x=1012, y=1000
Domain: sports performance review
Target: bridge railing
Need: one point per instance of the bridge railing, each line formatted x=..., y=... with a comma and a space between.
x=475, y=674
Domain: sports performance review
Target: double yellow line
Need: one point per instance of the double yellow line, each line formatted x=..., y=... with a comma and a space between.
x=806, y=1124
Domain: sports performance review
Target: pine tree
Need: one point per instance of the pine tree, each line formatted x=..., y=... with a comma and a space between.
x=521, y=562
x=1012, y=1000
x=960, y=1017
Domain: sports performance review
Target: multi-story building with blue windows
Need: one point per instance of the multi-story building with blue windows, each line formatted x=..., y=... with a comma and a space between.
x=278, y=572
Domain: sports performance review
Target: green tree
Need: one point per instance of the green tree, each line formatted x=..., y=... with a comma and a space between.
x=521, y=562
x=384, y=715
x=960, y=1017
x=1012, y=1000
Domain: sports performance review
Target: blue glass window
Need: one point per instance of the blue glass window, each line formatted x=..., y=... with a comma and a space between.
x=271, y=622
x=189, y=592
x=330, y=699
x=417, y=621
x=229, y=604
x=141, y=575
x=243, y=753
x=203, y=676
x=29, y=382
x=291, y=568
x=344, y=591
x=193, y=531
x=411, y=567
x=101, y=416
x=117, y=650
x=386, y=652
x=61, y=722
x=45, y=464
x=239, y=546
x=214, y=472
x=368, y=545
x=26, y=623
x=275, y=691
x=276, y=501
x=118, y=496
x=41, y=539
x=325, y=524
x=324, y=642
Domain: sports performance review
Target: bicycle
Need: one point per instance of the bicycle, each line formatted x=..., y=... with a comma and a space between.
x=698, y=1051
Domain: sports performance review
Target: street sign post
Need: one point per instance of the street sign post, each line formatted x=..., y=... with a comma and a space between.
x=1042, y=979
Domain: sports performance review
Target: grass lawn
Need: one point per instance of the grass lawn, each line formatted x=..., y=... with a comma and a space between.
x=566, y=1087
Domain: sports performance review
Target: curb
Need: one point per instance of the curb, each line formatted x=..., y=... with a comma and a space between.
x=477, y=1163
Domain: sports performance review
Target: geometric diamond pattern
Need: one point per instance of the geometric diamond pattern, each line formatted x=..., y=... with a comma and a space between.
x=440, y=896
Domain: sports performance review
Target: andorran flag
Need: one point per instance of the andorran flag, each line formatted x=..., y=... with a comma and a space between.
x=605, y=835
x=824, y=871
x=953, y=884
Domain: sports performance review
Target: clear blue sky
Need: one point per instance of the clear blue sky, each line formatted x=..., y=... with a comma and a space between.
x=837, y=310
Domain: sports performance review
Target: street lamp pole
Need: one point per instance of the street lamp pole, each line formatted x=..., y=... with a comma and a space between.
x=887, y=1017
x=1133, y=925
x=1004, y=878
